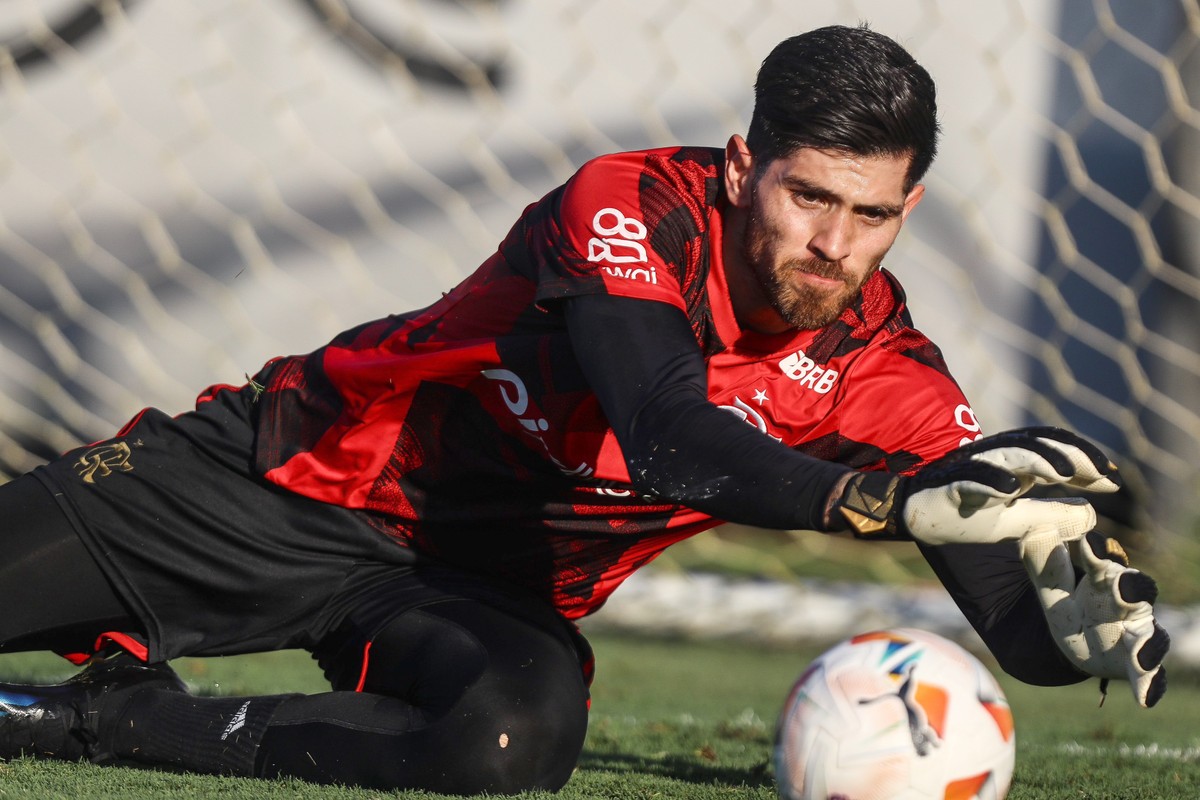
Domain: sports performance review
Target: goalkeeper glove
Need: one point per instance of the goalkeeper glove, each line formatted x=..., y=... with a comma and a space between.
x=1101, y=616
x=973, y=494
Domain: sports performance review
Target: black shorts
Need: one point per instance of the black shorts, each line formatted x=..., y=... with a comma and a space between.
x=215, y=560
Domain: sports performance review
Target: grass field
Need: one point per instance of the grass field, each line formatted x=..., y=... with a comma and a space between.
x=693, y=721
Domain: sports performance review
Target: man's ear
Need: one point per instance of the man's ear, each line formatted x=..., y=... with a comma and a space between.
x=914, y=197
x=739, y=171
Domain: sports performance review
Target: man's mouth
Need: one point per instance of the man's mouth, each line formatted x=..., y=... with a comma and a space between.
x=818, y=274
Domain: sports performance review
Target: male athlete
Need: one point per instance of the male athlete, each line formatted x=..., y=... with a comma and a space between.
x=673, y=338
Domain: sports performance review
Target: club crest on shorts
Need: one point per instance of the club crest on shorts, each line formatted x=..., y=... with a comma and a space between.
x=103, y=460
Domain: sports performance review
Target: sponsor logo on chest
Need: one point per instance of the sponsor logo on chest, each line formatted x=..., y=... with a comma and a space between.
x=808, y=373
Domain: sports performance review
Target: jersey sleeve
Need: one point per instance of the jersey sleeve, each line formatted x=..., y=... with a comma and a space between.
x=609, y=231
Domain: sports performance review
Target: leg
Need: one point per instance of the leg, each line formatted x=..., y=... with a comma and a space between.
x=55, y=597
x=53, y=594
x=457, y=697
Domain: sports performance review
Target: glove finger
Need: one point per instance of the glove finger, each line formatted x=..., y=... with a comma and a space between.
x=1032, y=459
x=1152, y=653
x=1105, y=562
x=1092, y=555
x=1137, y=587
x=1156, y=688
x=1037, y=438
x=1147, y=676
x=1072, y=460
x=1090, y=469
x=1106, y=547
x=1148, y=687
x=1047, y=560
x=1094, y=454
x=1046, y=465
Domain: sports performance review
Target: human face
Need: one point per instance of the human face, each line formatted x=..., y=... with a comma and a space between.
x=813, y=228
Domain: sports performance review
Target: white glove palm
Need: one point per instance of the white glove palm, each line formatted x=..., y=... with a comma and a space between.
x=974, y=494
x=1104, y=621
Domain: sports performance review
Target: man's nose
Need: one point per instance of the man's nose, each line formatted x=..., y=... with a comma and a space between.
x=833, y=238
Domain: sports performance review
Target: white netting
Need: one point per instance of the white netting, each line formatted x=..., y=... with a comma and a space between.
x=187, y=189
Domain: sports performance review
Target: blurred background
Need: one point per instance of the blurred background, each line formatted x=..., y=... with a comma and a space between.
x=189, y=189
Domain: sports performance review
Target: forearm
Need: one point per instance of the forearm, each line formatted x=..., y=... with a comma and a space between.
x=642, y=361
x=684, y=448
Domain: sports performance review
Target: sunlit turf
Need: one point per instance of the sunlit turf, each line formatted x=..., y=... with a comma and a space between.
x=694, y=720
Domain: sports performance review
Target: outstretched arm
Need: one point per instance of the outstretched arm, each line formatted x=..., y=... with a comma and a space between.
x=644, y=365
x=966, y=510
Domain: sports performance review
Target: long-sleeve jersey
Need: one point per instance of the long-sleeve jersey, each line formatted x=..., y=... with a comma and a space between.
x=470, y=431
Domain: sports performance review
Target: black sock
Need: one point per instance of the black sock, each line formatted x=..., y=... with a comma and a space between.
x=214, y=735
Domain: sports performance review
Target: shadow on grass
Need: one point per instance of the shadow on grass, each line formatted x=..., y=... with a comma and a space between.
x=679, y=767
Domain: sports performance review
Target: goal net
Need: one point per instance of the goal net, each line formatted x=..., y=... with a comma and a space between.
x=188, y=189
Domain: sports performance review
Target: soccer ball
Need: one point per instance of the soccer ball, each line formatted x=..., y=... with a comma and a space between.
x=897, y=714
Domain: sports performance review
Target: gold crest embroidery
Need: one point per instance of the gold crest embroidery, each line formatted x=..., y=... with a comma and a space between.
x=103, y=460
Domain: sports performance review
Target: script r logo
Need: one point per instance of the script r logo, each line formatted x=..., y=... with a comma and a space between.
x=103, y=460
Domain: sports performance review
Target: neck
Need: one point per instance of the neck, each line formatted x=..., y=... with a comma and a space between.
x=752, y=307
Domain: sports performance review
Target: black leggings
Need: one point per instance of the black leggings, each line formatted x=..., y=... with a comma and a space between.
x=455, y=696
x=53, y=594
x=458, y=698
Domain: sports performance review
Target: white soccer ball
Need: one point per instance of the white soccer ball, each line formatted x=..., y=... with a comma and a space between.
x=897, y=714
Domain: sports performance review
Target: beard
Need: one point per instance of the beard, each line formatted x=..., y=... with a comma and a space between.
x=802, y=306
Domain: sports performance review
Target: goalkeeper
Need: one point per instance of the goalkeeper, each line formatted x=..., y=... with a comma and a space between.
x=673, y=338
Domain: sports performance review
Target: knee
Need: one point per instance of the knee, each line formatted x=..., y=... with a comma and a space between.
x=504, y=701
x=516, y=746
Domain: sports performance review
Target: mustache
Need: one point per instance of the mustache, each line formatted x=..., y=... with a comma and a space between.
x=818, y=267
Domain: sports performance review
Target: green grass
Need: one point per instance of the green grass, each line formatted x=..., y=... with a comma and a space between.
x=693, y=721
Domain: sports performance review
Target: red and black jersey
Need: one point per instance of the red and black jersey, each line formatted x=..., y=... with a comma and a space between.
x=468, y=432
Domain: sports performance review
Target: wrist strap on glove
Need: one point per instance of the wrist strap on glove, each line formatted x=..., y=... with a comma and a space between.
x=868, y=504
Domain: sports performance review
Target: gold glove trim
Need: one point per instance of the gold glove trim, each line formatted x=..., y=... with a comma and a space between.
x=1117, y=553
x=866, y=504
x=863, y=525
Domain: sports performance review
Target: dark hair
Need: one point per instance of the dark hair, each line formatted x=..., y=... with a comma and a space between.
x=844, y=89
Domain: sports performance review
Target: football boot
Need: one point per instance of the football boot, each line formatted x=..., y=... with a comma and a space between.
x=69, y=720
